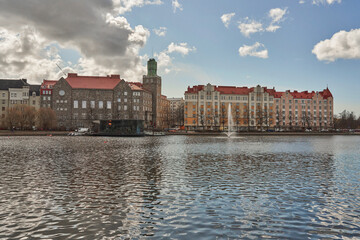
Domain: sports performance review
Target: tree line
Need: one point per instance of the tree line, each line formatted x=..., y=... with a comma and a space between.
x=346, y=120
x=26, y=117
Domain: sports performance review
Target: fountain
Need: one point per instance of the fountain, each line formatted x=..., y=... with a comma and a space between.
x=230, y=122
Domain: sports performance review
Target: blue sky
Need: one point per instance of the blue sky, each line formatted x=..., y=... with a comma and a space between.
x=196, y=46
x=290, y=63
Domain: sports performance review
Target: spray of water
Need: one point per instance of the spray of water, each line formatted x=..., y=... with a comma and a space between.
x=230, y=122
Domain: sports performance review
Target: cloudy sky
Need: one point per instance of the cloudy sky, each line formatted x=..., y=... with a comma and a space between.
x=298, y=44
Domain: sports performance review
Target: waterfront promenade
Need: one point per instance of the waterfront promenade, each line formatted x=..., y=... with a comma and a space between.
x=188, y=133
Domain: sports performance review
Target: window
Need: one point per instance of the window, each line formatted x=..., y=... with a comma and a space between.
x=125, y=107
x=125, y=99
x=108, y=104
x=101, y=104
x=49, y=98
x=119, y=100
x=83, y=104
x=3, y=94
x=125, y=93
x=44, y=98
x=119, y=107
x=76, y=104
x=92, y=104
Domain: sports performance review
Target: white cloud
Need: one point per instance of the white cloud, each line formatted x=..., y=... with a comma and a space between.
x=254, y=51
x=107, y=43
x=25, y=54
x=164, y=57
x=301, y=2
x=317, y=2
x=226, y=18
x=277, y=14
x=176, y=5
x=272, y=28
x=161, y=31
x=250, y=27
x=345, y=45
x=181, y=48
x=123, y=6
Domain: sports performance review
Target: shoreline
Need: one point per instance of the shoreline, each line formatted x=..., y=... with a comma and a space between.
x=18, y=133
x=269, y=134
x=7, y=133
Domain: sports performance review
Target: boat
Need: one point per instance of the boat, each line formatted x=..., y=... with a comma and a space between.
x=154, y=133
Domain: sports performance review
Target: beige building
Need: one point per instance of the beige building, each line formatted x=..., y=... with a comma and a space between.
x=258, y=108
x=176, y=112
x=15, y=92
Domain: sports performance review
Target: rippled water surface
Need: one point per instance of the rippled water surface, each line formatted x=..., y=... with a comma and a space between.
x=180, y=187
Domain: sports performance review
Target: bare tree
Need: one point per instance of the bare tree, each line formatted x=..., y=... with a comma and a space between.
x=29, y=117
x=13, y=116
x=46, y=118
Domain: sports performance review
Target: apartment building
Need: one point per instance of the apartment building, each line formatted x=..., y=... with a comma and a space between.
x=176, y=112
x=14, y=92
x=257, y=108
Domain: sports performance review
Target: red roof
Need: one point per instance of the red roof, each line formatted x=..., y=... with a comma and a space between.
x=135, y=87
x=326, y=93
x=232, y=90
x=244, y=91
x=48, y=83
x=278, y=94
x=93, y=82
x=221, y=89
x=195, y=89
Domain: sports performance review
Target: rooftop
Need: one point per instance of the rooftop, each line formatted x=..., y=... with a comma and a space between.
x=5, y=84
x=93, y=82
x=245, y=91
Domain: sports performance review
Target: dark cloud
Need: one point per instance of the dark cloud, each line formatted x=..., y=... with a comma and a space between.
x=84, y=25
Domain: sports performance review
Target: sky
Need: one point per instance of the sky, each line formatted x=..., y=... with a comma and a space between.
x=290, y=45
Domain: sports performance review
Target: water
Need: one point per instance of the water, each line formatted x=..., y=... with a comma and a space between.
x=230, y=122
x=179, y=187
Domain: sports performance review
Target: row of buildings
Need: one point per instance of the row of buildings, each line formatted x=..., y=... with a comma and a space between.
x=258, y=108
x=14, y=92
x=82, y=101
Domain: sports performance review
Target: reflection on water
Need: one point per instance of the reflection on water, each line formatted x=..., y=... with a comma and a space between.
x=179, y=187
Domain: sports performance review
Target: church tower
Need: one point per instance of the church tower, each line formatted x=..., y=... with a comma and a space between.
x=152, y=83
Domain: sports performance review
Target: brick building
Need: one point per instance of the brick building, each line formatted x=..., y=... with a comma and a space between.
x=79, y=101
x=257, y=108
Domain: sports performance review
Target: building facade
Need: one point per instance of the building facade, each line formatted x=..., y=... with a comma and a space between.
x=176, y=112
x=17, y=92
x=80, y=101
x=258, y=108
x=46, y=93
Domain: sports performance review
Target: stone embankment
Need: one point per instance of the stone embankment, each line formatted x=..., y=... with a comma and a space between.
x=32, y=133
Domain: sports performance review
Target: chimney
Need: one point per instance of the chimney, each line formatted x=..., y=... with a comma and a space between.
x=72, y=75
x=115, y=76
